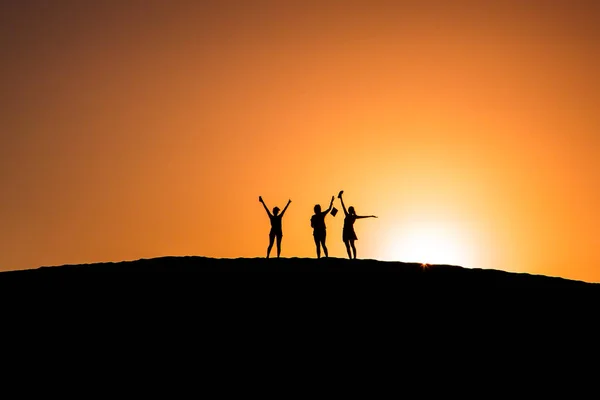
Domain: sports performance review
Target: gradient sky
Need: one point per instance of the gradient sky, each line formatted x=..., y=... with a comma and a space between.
x=136, y=129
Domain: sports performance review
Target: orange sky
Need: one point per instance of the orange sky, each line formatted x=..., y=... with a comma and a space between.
x=138, y=129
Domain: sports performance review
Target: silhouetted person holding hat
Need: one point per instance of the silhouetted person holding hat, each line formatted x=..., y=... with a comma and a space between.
x=276, y=231
x=317, y=221
x=348, y=234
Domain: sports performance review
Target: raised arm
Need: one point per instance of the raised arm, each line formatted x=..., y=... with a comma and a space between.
x=330, y=206
x=342, y=200
x=365, y=216
x=285, y=208
x=265, y=206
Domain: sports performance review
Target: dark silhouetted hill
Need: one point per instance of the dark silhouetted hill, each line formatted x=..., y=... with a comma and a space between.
x=191, y=269
x=319, y=303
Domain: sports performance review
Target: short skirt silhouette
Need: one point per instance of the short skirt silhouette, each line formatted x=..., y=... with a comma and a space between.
x=349, y=234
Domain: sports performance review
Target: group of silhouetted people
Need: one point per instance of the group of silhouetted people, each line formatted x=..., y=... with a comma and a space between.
x=317, y=222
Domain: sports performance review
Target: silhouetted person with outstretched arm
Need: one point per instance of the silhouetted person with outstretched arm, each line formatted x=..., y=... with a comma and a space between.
x=276, y=231
x=317, y=221
x=348, y=234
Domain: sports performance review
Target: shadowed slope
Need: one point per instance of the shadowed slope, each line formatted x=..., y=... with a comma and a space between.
x=182, y=268
x=250, y=300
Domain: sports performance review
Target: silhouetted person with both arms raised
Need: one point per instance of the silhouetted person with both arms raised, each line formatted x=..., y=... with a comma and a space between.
x=348, y=234
x=276, y=231
x=317, y=221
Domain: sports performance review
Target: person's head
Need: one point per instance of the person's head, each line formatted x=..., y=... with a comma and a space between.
x=317, y=208
x=351, y=210
x=275, y=210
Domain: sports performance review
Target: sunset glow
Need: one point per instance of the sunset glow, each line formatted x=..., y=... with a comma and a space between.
x=135, y=129
x=430, y=245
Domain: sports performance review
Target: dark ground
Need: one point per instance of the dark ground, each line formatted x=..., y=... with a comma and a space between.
x=202, y=269
x=295, y=279
x=294, y=306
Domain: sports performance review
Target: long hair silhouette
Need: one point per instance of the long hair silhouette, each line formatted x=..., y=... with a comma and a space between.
x=348, y=234
x=317, y=222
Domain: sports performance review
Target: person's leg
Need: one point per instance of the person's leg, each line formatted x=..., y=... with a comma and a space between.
x=317, y=245
x=324, y=247
x=347, y=243
x=279, y=237
x=271, y=239
x=353, y=248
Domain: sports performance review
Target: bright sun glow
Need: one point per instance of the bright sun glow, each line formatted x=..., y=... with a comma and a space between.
x=429, y=244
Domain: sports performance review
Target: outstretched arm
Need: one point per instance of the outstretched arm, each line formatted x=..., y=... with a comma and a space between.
x=330, y=206
x=285, y=208
x=343, y=206
x=365, y=216
x=265, y=206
